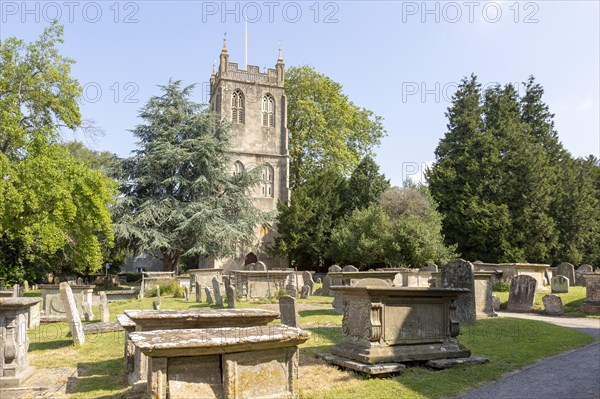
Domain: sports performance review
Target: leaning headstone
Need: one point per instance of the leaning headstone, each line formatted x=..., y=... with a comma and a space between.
x=72, y=313
x=553, y=305
x=334, y=269
x=230, y=292
x=305, y=291
x=580, y=280
x=209, y=299
x=459, y=273
x=198, y=292
x=559, y=284
x=326, y=285
x=217, y=292
x=25, y=285
x=521, y=294
x=104, y=314
x=349, y=268
x=566, y=269
x=288, y=312
x=308, y=280
x=495, y=303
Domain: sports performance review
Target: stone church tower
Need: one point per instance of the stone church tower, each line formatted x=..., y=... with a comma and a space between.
x=255, y=104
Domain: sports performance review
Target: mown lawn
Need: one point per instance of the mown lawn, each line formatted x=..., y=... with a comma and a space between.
x=509, y=343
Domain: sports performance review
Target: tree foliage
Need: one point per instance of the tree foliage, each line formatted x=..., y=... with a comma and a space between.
x=365, y=185
x=404, y=229
x=326, y=129
x=507, y=188
x=179, y=195
x=304, y=227
x=53, y=208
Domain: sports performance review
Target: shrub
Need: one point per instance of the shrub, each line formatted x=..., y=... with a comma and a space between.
x=501, y=286
x=168, y=288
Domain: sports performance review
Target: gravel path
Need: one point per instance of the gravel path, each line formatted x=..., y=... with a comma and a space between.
x=571, y=375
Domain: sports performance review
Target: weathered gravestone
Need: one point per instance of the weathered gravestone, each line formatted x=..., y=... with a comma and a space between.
x=16, y=291
x=186, y=294
x=580, y=280
x=305, y=291
x=308, y=280
x=209, y=299
x=495, y=303
x=521, y=294
x=104, y=314
x=79, y=281
x=553, y=305
x=334, y=269
x=349, y=268
x=288, y=312
x=260, y=266
x=198, y=292
x=88, y=315
x=25, y=286
x=291, y=290
x=158, y=295
x=326, y=285
x=591, y=304
x=566, y=269
x=72, y=314
x=230, y=292
x=459, y=273
x=217, y=292
x=559, y=284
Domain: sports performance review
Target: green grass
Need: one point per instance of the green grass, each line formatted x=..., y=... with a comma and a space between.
x=571, y=302
x=509, y=343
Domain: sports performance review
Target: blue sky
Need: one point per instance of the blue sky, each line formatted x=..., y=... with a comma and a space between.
x=402, y=60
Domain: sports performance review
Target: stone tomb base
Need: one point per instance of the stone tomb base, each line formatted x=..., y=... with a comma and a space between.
x=377, y=370
x=247, y=362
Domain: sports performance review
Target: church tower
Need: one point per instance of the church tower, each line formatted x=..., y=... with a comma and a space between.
x=255, y=104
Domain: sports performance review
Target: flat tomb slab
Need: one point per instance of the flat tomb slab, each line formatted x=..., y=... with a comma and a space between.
x=208, y=341
x=201, y=318
x=378, y=370
x=441, y=364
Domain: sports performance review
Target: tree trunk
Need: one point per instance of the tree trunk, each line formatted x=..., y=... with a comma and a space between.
x=170, y=260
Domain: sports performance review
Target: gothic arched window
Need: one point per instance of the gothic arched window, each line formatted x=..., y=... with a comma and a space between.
x=268, y=180
x=238, y=168
x=268, y=111
x=237, y=107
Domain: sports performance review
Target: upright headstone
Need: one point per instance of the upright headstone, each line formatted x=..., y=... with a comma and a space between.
x=260, y=266
x=158, y=295
x=459, y=273
x=566, y=269
x=79, y=281
x=326, y=285
x=217, y=292
x=155, y=305
x=88, y=314
x=349, y=268
x=72, y=313
x=521, y=294
x=198, y=292
x=591, y=304
x=288, y=312
x=209, y=299
x=16, y=291
x=334, y=269
x=230, y=292
x=305, y=291
x=580, y=280
x=291, y=290
x=104, y=313
x=308, y=280
x=25, y=285
x=495, y=303
x=559, y=284
x=186, y=294
x=553, y=305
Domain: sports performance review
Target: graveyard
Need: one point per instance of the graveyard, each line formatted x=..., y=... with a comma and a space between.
x=97, y=366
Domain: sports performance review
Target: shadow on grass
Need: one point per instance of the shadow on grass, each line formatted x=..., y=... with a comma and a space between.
x=106, y=375
x=47, y=345
x=316, y=312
